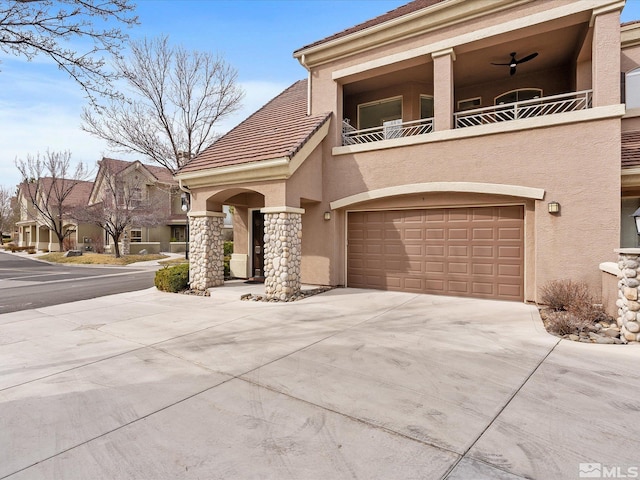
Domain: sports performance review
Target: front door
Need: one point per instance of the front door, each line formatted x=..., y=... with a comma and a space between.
x=257, y=243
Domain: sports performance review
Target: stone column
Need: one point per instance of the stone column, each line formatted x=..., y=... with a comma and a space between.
x=443, y=87
x=126, y=243
x=628, y=293
x=206, y=250
x=282, y=251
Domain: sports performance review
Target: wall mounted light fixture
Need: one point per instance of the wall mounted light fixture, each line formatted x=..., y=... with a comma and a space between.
x=554, y=207
x=327, y=215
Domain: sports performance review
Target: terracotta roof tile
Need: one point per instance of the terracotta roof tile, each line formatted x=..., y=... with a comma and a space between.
x=631, y=149
x=279, y=129
x=632, y=22
x=391, y=15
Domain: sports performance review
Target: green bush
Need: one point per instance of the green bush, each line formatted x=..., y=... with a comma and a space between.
x=228, y=249
x=173, y=279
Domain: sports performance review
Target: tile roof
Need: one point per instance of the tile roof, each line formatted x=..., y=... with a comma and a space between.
x=632, y=22
x=391, y=15
x=631, y=149
x=79, y=194
x=277, y=130
x=161, y=173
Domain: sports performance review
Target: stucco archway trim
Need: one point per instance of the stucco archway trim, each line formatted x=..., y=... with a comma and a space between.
x=466, y=187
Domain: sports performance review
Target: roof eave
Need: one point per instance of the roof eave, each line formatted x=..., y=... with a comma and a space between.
x=280, y=168
x=427, y=19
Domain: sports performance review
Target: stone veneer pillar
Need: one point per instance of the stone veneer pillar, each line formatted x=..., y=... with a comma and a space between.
x=629, y=293
x=282, y=251
x=206, y=250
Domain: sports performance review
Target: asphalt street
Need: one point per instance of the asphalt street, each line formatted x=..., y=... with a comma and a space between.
x=26, y=283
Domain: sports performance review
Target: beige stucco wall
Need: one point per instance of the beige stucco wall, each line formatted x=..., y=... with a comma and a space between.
x=572, y=171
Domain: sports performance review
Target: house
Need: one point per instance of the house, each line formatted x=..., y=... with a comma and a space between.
x=35, y=224
x=448, y=147
x=145, y=182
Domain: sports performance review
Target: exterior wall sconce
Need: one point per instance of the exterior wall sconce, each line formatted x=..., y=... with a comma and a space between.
x=327, y=215
x=636, y=217
x=554, y=207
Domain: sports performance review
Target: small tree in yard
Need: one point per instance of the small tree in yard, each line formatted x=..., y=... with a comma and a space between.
x=123, y=203
x=52, y=187
x=8, y=212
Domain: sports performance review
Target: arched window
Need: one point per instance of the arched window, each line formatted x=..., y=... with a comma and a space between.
x=632, y=89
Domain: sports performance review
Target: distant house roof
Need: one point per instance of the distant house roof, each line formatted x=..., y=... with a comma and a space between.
x=391, y=15
x=277, y=130
x=631, y=149
x=116, y=166
x=79, y=194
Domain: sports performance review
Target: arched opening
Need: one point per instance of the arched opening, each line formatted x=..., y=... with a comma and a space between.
x=242, y=208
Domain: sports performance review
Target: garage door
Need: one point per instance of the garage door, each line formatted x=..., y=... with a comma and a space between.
x=475, y=252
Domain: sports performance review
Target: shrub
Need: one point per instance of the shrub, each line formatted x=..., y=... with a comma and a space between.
x=173, y=279
x=563, y=295
x=228, y=249
x=565, y=323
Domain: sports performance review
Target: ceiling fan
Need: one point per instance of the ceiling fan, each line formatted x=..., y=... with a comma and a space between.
x=514, y=62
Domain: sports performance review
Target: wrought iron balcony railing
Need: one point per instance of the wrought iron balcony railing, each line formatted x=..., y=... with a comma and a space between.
x=537, y=107
x=394, y=129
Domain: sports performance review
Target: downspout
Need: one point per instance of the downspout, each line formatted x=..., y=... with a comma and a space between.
x=301, y=59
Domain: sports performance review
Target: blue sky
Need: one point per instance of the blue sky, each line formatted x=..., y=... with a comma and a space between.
x=40, y=106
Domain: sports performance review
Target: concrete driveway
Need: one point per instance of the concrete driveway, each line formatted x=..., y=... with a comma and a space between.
x=347, y=384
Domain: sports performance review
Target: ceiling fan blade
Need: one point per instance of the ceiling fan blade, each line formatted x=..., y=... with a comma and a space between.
x=512, y=71
x=507, y=64
x=527, y=58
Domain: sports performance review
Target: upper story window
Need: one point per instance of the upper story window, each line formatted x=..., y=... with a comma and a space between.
x=426, y=106
x=632, y=89
x=376, y=114
x=519, y=95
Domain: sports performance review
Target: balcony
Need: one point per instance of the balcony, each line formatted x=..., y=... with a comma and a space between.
x=537, y=107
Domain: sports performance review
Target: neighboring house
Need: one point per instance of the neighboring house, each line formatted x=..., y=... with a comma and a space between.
x=410, y=161
x=149, y=181
x=34, y=229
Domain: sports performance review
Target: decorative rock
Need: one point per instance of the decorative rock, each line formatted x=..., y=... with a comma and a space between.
x=611, y=332
x=633, y=306
x=630, y=293
x=282, y=255
x=574, y=337
x=629, y=273
x=633, y=282
x=632, y=327
x=605, y=340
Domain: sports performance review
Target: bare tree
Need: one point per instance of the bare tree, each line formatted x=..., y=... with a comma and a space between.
x=8, y=217
x=49, y=185
x=176, y=99
x=124, y=202
x=29, y=28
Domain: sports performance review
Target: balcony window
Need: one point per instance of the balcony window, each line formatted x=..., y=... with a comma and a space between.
x=632, y=89
x=426, y=106
x=375, y=114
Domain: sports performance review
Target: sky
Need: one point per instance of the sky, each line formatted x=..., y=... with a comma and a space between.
x=40, y=106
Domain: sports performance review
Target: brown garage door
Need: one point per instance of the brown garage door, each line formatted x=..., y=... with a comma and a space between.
x=475, y=252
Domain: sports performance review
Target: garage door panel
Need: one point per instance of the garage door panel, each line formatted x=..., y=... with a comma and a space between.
x=475, y=251
x=458, y=267
x=458, y=234
x=510, y=233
